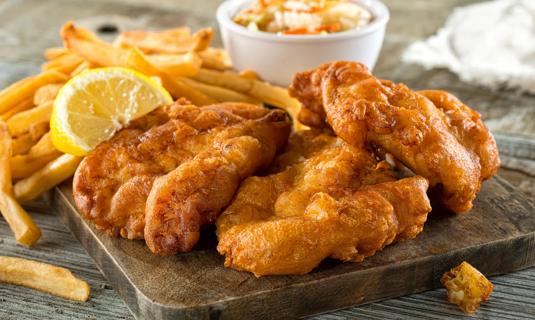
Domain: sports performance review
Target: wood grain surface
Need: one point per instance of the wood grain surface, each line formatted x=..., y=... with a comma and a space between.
x=497, y=237
x=27, y=27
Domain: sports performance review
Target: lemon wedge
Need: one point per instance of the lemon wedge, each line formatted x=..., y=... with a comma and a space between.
x=94, y=105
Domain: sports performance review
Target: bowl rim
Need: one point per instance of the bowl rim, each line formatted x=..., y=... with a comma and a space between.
x=228, y=8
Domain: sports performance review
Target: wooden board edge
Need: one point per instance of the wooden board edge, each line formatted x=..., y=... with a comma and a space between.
x=350, y=289
x=302, y=299
x=96, y=250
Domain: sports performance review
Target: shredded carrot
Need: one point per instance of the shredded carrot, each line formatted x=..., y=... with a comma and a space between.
x=264, y=13
x=335, y=27
x=297, y=31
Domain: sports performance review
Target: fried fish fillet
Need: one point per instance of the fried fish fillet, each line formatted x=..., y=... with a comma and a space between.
x=466, y=126
x=328, y=199
x=171, y=172
x=431, y=132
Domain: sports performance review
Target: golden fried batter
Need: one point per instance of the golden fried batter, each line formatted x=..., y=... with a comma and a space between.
x=187, y=160
x=328, y=200
x=431, y=132
x=467, y=287
x=467, y=127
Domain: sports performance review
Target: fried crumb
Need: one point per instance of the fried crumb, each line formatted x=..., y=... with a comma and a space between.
x=467, y=287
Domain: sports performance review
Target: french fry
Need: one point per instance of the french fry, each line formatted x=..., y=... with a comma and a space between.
x=25, y=89
x=65, y=63
x=178, y=65
x=221, y=94
x=100, y=54
x=121, y=42
x=46, y=93
x=43, y=277
x=263, y=91
x=103, y=54
x=43, y=147
x=81, y=68
x=24, y=105
x=215, y=58
x=53, y=53
x=21, y=122
x=46, y=178
x=23, y=166
x=278, y=97
x=179, y=31
x=20, y=222
x=22, y=144
x=250, y=74
x=37, y=130
x=178, y=88
x=167, y=41
x=229, y=80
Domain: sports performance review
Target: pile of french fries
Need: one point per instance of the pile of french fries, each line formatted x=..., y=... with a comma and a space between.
x=182, y=61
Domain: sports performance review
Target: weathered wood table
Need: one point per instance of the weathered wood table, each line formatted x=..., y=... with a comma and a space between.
x=27, y=27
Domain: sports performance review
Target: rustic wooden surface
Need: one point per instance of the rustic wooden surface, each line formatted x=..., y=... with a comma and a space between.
x=496, y=237
x=29, y=26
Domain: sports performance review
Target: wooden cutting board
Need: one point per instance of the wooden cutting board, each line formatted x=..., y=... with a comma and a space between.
x=497, y=237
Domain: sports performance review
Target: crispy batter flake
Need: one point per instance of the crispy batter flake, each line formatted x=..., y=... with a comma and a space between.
x=467, y=287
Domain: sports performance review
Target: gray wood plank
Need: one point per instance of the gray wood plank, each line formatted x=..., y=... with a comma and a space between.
x=27, y=27
x=496, y=237
x=513, y=297
x=57, y=246
x=504, y=111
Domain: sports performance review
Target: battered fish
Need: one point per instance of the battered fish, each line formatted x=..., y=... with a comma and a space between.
x=170, y=173
x=326, y=199
x=431, y=132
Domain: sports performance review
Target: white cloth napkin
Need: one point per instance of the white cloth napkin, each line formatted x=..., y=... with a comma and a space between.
x=490, y=43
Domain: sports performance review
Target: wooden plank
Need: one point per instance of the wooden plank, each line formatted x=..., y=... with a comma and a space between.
x=505, y=111
x=30, y=26
x=513, y=297
x=21, y=55
x=516, y=146
x=497, y=237
x=57, y=246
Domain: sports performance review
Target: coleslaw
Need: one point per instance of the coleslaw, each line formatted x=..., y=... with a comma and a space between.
x=302, y=17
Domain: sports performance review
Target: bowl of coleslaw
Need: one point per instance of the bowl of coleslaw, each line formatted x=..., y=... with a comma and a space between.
x=278, y=38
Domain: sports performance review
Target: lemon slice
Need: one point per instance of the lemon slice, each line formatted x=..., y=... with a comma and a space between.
x=92, y=106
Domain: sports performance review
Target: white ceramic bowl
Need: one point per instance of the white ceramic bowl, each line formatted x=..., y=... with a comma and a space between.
x=278, y=57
